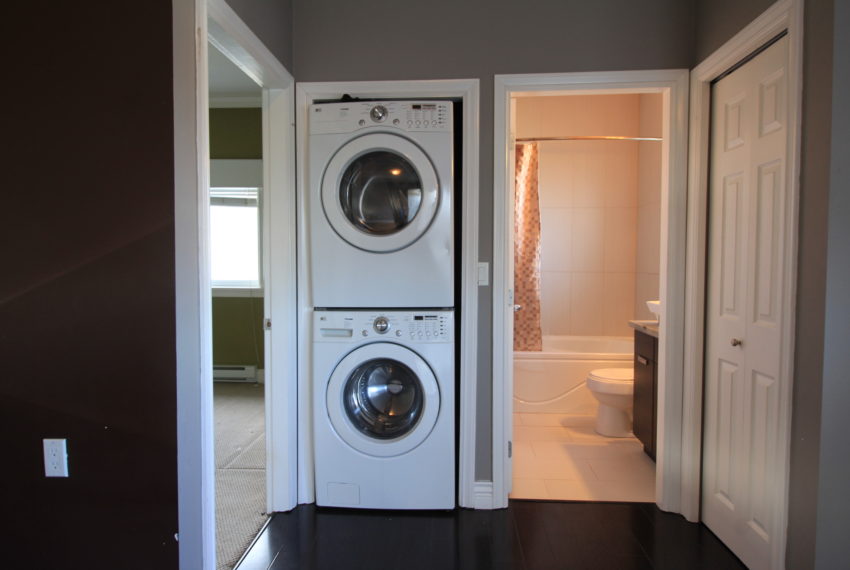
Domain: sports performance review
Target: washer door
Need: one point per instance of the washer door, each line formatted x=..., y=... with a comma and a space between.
x=380, y=192
x=383, y=399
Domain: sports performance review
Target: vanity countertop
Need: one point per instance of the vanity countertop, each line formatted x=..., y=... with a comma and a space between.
x=648, y=327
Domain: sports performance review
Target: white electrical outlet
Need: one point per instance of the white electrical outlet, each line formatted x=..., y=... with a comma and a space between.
x=55, y=458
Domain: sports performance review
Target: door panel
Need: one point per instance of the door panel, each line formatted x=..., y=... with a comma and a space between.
x=743, y=318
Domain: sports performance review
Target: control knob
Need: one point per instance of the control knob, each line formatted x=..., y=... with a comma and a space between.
x=381, y=325
x=378, y=113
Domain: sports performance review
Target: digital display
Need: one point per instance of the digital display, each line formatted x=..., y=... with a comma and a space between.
x=418, y=317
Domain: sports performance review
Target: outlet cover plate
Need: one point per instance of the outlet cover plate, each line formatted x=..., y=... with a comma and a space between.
x=55, y=458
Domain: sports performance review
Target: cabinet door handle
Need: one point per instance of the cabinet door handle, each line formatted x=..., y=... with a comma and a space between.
x=642, y=360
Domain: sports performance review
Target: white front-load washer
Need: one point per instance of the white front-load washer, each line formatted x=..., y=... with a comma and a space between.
x=379, y=187
x=384, y=413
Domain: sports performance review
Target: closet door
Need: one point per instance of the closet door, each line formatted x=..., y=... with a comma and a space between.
x=745, y=262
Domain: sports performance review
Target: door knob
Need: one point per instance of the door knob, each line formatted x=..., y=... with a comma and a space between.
x=517, y=308
x=737, y=342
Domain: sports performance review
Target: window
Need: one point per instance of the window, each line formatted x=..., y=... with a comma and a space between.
x=235, y=238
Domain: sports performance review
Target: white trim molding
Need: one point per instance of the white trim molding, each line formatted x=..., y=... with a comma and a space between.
x=673, y=85
x=467, y=91
x=195, y=22
x=238, y=43
x=784, y=16
x=195, y=452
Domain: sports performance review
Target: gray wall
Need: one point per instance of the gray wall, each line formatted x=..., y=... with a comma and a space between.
x=444, y=39
x=717, y=22
x=833, y=518
x=271, y=21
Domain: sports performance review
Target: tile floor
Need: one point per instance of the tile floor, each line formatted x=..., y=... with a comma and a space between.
x=562, y=458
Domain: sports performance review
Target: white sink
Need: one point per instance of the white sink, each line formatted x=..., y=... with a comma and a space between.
x=655, y=308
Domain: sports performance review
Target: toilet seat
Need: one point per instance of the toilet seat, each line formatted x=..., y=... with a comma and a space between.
x=612, y=380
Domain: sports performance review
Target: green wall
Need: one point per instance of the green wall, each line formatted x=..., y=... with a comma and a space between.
x=237, y=321
x=236, y=133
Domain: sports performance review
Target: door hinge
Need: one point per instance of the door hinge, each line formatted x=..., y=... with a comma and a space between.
x=510, y=449
x=267, y=324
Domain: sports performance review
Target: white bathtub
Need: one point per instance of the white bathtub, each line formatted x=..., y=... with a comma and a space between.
x=552, y=381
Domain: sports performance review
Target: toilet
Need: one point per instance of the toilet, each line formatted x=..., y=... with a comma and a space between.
x=613, y=389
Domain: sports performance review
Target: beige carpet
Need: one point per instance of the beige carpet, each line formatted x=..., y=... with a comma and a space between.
x=240, y=475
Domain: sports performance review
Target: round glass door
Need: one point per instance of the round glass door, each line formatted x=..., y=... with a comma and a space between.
x=383, y=399
x=380, y=192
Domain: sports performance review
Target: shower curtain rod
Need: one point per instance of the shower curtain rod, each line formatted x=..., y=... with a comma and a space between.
x=604, y=138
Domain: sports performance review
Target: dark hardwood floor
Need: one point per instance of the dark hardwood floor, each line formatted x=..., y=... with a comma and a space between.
x=528, y=535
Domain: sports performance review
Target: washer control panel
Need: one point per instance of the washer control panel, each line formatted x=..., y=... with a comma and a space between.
x=412, y=116
x=435, y=326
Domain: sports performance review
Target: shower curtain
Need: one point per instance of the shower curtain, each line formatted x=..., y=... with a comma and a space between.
x=527, y=333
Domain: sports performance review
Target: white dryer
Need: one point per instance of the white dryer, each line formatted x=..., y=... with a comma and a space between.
x=383, y=397
x=380, y=204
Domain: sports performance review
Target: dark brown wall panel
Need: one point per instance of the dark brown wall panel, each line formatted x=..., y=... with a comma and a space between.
x=87, y=287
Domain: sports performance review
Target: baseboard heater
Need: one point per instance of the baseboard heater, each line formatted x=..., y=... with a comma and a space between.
x=235, y=372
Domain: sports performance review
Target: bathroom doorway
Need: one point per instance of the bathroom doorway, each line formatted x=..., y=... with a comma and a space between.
x=586, y=259
x=607, y=153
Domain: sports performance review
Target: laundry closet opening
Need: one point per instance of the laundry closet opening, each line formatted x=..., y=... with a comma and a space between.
x=586, y=258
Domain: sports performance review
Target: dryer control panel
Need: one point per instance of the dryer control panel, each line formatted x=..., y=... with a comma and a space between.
x=403, y=326
x=411, y=116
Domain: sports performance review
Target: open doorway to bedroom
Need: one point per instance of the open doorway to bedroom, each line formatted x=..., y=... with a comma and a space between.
x=236, y=199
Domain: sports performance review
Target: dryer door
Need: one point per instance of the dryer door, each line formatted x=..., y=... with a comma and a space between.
x=380, y=192
x=383, y=399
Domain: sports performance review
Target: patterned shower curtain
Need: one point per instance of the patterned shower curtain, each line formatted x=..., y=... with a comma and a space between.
x=527, y=334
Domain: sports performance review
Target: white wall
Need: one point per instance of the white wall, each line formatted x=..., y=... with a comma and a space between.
x=588, y=207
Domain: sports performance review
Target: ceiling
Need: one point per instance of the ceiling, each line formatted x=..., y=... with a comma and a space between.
x=229, y=86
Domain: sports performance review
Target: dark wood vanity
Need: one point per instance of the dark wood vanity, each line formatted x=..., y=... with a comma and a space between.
x=646, y=380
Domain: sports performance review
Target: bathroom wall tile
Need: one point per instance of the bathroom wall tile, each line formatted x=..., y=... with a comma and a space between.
x=619, y=295
x=588, y=239
x=648, y=239
x=646, y=289
x=557, y=176
x=620, y=239
x=555, y=302
x=587, y=304
x=622, y=115
x=556, y=237
x=649, y=173
x=590, y=183
x=622, y=174
x=651, y=114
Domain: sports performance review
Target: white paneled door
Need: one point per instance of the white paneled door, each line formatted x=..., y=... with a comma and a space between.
x=743, y=319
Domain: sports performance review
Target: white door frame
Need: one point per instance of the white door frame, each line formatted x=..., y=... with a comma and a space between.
x=194, y=23
x=784, y=15
x=673, y=85
x=467, y=90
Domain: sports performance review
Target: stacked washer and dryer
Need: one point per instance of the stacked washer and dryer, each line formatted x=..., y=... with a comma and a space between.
x=381, y=261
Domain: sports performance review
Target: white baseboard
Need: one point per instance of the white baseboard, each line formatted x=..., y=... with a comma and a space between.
x=482, y=495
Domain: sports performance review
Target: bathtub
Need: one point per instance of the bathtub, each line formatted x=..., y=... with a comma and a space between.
x=552, y=381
